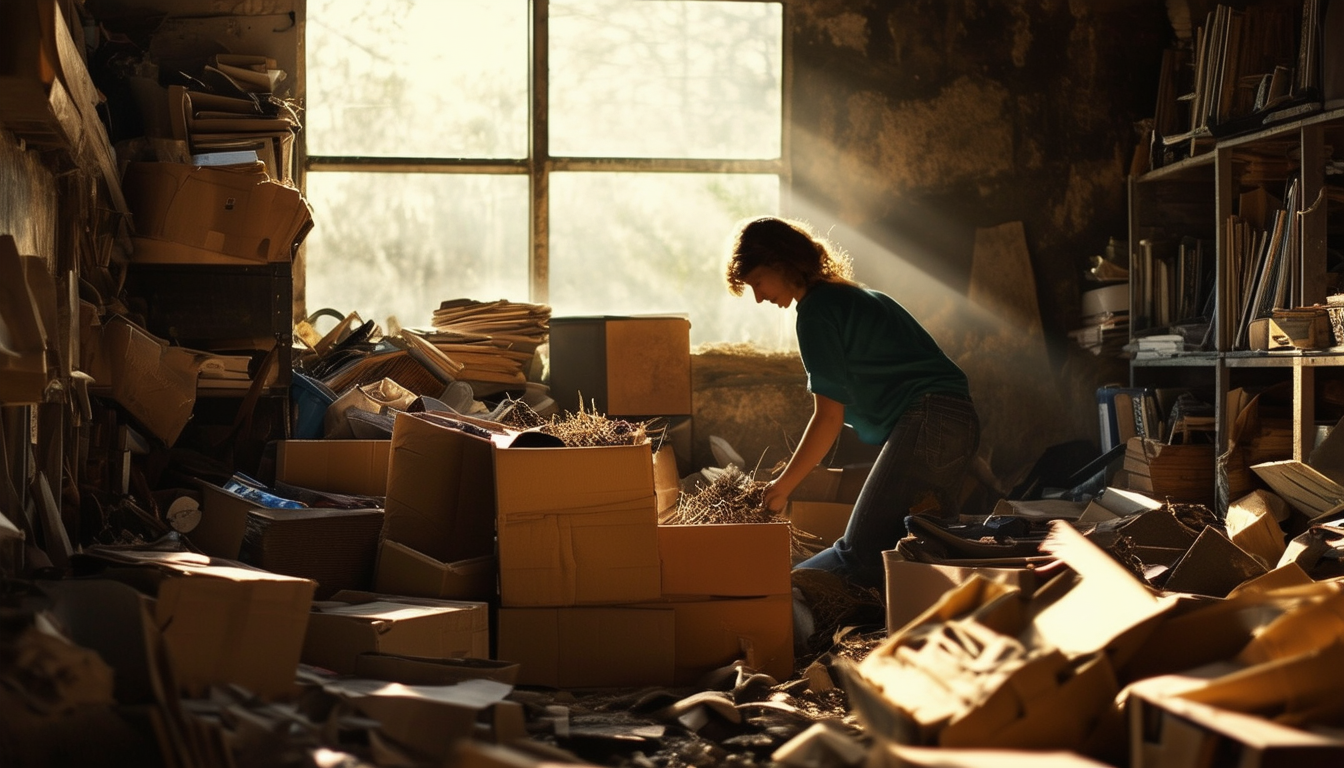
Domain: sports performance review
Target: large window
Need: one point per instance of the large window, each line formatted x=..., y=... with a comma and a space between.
x=588, y=154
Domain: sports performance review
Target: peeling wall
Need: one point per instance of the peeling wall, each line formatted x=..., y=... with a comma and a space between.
x=915, y=123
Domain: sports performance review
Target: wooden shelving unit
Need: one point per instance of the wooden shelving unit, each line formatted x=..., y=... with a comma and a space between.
x=1196, y=197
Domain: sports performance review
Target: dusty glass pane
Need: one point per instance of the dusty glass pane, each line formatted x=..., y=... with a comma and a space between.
x=626, y=243
x=396, y=244
x=417, y=78
x=665, y=78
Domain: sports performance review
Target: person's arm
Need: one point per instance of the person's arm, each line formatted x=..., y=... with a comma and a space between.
x=828, y=416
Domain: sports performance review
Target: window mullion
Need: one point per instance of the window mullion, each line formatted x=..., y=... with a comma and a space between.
x=539, y=154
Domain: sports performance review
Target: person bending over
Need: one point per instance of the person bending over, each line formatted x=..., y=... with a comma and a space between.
x=871, y=365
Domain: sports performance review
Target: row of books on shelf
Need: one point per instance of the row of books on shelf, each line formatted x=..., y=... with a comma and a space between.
x=1245, y=68
x=1174, y=277
x=1262, y=240
x=1166, y=414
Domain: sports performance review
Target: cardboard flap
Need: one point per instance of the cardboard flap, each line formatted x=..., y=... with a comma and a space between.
x=1106, y=604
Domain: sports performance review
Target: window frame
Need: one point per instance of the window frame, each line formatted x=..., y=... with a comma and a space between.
x=540, y=164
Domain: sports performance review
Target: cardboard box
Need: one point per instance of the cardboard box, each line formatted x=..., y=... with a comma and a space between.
x=235, y=211
x=1182, y=472
x=363, y=622
x=153, y=381
x=404, y=571
x=1176, y=732
x=576, y=526
x=222, y=624
x=733, y=559
x=826, y=520
x=338, y=466
x=622, y=366
x=715, y=633
x=1207, y=716
x=820, y=484
x=223, y=522
x=1302, y=328
x=913, y=588
x=932, y=683
x=336, y=548
x=440, y=490
x=589, y=647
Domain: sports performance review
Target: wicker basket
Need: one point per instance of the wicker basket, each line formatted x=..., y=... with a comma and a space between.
x=1335, y=309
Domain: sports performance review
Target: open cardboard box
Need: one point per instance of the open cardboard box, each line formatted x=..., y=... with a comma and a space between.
x=1052, y=682
x=221, y=623
x=337, y=466
x=404, y=571
x=912, y=587
x=196, y=214
x=1211, y=715
x=576, y=526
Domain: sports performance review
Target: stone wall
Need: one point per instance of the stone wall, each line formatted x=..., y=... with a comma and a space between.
x=916, y=124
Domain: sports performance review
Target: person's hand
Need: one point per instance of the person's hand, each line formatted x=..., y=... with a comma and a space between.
x=774, y=497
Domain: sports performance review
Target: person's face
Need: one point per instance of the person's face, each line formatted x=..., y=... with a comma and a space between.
x=769, y=284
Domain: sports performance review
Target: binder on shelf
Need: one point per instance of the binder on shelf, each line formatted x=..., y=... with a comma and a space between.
x=1125, y=412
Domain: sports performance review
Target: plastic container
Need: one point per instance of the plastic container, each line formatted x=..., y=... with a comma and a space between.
x=310, y=399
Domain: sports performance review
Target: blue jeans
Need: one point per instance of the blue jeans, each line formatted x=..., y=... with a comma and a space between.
x=919, y=469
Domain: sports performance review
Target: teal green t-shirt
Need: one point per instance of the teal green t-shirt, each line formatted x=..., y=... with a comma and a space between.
x=865, y=351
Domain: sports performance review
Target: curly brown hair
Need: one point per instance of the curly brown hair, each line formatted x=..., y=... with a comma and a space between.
x=788, y=245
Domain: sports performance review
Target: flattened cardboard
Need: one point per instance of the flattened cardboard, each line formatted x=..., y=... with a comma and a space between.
x=440, y=490
x=1107, y=609
x=404, y=571
x=736, y=559
x=826, y=520
x=891, y=755
x=430, y=719
x=913, y=588
x=362, y=622
x=1213, y=566
x=338, y=466
x=154, y=382
x=411, y=670
x=1059, y=710
x=666, y=481
x=221, y=623
x=576, y=526
x=1310, y=492
x=589, y=647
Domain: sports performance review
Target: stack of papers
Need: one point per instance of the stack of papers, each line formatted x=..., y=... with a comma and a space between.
x=490, y=341
x=1161, y=345
x=232, y=108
